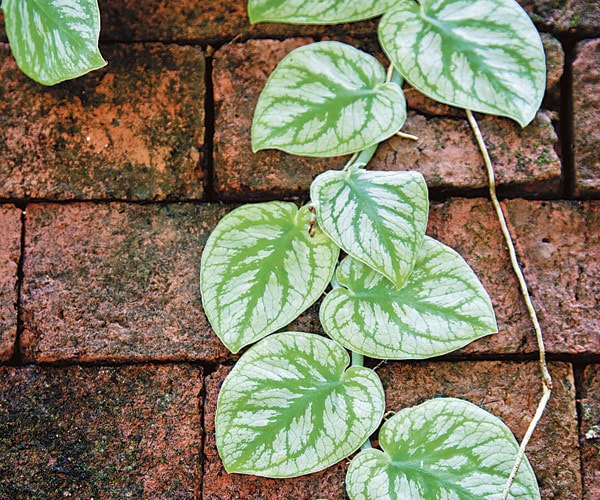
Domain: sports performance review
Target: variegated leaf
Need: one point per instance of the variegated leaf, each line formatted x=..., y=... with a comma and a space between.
x=441, y=307
x=54, y=40
x=290, y=407
x=443, y=448
x=260, y=269
x=483, y=55
x=315, y=11
x=377, y=217
x=327, y=99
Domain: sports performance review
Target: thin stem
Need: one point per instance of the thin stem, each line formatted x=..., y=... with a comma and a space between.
x=351, y=160
x=404, y=135
x=546, y=378
x=390, y=73
x=357, y=359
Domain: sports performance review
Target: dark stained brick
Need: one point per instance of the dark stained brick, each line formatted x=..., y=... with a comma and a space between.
x=508, y=390
x=177, y=20
x=558, y=244
x=10, y=252
x=579, y=17
x=116, y=282
x=133, y=130
x=586, y=116
x=446, y=153
x=590, y=432
x=118, y=432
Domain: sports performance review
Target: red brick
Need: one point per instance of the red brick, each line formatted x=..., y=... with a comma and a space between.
x=558, y=244
x=171, y=20
x=590, y=432
x=446, y=152
x=116, y=282
x=133, y=130
x=586, y=115
x=581, y=17
x=509, y=390
x=118, y=432
x=10, y=252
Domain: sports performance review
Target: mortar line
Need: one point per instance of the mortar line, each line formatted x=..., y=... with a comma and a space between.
x=566, y=127
x=578, y=373
x=209, y=127
x=16, y=358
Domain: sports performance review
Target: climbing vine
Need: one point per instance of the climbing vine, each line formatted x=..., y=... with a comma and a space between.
x=297, y=402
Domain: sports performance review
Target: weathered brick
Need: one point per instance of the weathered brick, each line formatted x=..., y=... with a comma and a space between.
x=118, y=432
x=579, y=17
x=116, y=282
x=10, y=252
x=172, y=20
x=558, y=244
x=446, y=152
x=133, y=130
x=586, y=116
x=590, y=432
x=509, y=390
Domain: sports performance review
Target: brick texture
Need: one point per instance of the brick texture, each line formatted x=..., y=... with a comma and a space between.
x=586, y=116
x=558, y=243
x=116, y=282
x=10, y=252
x=445, y=153
x=133, y=130
x=508, y=390
x=590, y=432
x=111, y=432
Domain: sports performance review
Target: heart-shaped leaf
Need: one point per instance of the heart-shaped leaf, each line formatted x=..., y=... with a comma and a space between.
x=290, y=407
x=483, y=55
x=377, y=217
x=327, y=99
x=316, y=11
x=443, y=448
x=441, y=307
x=54, y=40
x=260, y=269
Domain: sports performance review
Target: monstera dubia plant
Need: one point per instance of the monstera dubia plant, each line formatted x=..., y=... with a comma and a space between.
x=53, y=40
x=297, y=402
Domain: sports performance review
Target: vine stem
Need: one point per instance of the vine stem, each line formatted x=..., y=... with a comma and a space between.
x=390, y=73
x=546, y=378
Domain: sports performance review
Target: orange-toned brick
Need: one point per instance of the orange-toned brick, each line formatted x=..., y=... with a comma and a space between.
x=10, y=253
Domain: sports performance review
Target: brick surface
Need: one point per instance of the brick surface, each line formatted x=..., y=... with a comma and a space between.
x=558, y=244
x=579, y=17
x=133, y=130
x=120, y=432
x=590, y=432
x=10, y=252
x=586, y=116
x=446, y=152
x=170, y=20
x=116, y=282
x=508, y=390
x=176, y=20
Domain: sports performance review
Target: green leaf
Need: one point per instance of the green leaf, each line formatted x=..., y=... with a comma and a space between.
x=54, y=40
x=377, y=217
x=327, y=99
x=441, y=307
x=483, y=55
x=290, y=407
x=443, y=448
x=260, y=269
x=316, y=11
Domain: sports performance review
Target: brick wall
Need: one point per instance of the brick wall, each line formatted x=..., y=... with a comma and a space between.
x=111, y=184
